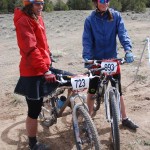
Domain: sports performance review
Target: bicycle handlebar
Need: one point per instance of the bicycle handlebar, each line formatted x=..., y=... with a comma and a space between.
x=106, y=64
x=97, y=62
x=66, y=79
x=62, y=79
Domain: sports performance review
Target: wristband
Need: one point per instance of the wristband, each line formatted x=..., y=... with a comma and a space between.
x=48, y=72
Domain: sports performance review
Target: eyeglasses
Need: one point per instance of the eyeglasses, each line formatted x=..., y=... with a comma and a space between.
x=38, y=3
x=103, y=1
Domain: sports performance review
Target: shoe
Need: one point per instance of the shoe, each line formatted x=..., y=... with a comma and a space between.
x=40, y=146
x=129, y=124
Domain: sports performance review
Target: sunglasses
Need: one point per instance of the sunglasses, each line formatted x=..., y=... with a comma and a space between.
x=103, y=1
x=38, y=3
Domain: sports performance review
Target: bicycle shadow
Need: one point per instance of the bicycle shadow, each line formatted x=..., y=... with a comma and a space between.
x=61, y=138
x=105, y=138
x=11, y=141
x=106, y=141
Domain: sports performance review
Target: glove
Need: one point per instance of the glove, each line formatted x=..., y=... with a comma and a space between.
x=129, y=57
x=49, y=77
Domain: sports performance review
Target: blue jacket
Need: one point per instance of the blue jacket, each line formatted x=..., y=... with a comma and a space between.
x=99, y=36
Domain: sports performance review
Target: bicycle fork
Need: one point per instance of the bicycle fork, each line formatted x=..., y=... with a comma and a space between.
x=107, y=103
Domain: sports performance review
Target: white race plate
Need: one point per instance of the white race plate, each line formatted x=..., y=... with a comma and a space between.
x=80, y=82
x=110, y=67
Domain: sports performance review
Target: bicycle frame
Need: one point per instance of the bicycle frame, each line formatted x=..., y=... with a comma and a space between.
x=103, y=83
x=71, y=98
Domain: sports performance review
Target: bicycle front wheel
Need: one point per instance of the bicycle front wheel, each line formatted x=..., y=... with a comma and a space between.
x=114, y=121
x=86, y=136
x=99, y=98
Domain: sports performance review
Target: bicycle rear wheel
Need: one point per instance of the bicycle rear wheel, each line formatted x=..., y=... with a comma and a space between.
x=114, y=121
x=87, y=136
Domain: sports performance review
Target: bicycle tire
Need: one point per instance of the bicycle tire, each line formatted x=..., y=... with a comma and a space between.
x=86, y=127
x=114, y=122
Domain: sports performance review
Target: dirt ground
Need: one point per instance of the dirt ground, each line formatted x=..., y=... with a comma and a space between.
x=64, y=33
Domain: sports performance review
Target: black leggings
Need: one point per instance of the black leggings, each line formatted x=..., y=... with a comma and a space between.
x=34, y=107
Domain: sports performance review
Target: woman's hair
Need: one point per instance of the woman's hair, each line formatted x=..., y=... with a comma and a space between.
x=28, y=11
x=95, y=2
x=110, y=16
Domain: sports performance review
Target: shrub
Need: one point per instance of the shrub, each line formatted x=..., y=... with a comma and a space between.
x=4, y=6
x=60, y=5
x=135, y=5
x=148, y=3
x=140, y=6
x=48, y=6
x=116, y=5
x=80, y=4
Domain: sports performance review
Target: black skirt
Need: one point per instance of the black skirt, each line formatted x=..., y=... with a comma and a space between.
x=36, y=87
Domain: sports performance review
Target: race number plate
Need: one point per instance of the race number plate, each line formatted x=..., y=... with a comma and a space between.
x=110, y=67
x=80, y=82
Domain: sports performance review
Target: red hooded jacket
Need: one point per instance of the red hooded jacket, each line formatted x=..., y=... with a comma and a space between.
x=32, y=42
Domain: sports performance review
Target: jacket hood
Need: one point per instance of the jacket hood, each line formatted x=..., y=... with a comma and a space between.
x=17, y=15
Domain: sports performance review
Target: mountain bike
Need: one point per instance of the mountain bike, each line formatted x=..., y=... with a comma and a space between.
x=108, y=94
x=85, y=132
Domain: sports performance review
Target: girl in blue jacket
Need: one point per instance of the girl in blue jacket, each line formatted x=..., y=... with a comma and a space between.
x=99, y=42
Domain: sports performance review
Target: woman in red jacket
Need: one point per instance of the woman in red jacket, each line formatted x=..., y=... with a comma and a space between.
x=36, y=80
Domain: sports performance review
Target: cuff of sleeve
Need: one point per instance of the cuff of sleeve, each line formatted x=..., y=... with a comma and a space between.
x=128, y=51
x=48, y=72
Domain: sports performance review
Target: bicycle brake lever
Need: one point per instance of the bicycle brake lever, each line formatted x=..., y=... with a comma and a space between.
x=122, y=61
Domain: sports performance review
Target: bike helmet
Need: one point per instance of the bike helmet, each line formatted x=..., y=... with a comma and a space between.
x=27, y=2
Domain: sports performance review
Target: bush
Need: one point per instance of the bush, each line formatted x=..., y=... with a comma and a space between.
x=4, y=6
x=116, y=5
x=148, y=3
x=60, y=5
x=48, y=6
x=135, y=5
x=18, y=3
x=80, y=4
x=140, y=6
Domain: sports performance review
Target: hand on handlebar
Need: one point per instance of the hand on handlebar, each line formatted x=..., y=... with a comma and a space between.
x=129, y=57
x=49, y=77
